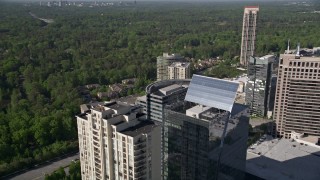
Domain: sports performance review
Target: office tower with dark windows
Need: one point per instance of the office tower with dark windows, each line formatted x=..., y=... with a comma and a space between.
x=163, y=62
x=205, y=136
x=249, y=29
x=297, y=102
x=161, y=93
x=259, y=88
x=116, y=141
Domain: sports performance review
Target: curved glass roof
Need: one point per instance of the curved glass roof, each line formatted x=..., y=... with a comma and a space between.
x=212, y=92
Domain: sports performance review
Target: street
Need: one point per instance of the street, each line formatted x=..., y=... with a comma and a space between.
x=39, y=172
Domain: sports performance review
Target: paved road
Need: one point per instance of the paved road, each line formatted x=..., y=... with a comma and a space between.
x=39, y=172
x=259, y=121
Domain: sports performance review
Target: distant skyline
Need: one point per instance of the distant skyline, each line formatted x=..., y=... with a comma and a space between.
x=158, y=0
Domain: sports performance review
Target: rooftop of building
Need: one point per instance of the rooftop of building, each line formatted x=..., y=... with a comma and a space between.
x=142, y=98
x=130, y=100
x=198, y=109
x=180, y=64
x=305, y=52
x=168, y=56
x=156, y=86
x=247, y=9
x=145, y=126
x=267, y=56
x=299, y=58
x=122, y=120
x=263, y=60
x=283, y=159
x=112, y=105
x=311, y=139
x=104, y=106
x=209, y=114
x=169, y=89
x=243, y=78
x=251, y=7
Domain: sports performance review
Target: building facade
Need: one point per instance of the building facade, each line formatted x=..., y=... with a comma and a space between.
x=297, y=101
x=179, y=70
x=259, y=88
x=161, y=93
x=249, y=29
x=192, y=142
x=117, y=142
x=163, y=62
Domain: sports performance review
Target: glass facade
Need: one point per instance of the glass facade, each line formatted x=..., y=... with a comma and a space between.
x=192, y=146
x=260, y=86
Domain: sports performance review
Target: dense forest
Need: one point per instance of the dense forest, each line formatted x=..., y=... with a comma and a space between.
x=43, y=64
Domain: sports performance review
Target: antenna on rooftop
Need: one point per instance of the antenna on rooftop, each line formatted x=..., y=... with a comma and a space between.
x=298, y=50
x=288, y=49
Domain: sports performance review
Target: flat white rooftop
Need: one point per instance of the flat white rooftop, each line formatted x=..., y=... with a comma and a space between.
x=196, y=110
x=283, y=160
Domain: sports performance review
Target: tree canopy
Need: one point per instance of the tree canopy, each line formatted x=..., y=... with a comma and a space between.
x=42, y=64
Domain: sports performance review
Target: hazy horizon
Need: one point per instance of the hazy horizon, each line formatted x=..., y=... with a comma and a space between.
x=154, y=0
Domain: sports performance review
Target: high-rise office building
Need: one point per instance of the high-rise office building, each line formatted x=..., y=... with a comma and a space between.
x=249, y=29
x=117, y=142
x=191, y=142
x=259, y=86
x=179, y=70
x=205, y=138
x=161, y=93
x=297, y=101
x=163, y=62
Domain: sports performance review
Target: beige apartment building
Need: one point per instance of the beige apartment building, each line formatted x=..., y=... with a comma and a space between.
x=179, y=70
x=249, y=29
x=163, y=62
x=297, y=102
x=116, y=142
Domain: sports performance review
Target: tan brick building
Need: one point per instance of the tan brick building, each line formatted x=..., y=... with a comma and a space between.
x=297, y=102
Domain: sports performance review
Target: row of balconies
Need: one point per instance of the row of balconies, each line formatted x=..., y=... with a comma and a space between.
x=139, y=176
x=139, y=163
x=140, y=141
x=139, y=152
x=140, y=169
x=140, y=146
x=140, y=157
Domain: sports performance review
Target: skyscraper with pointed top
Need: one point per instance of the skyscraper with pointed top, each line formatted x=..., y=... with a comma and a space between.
x=248, y=33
